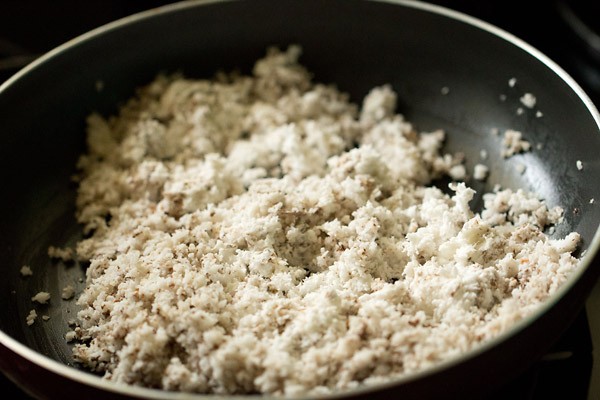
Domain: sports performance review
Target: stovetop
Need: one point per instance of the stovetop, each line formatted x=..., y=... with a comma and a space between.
x=566, y=31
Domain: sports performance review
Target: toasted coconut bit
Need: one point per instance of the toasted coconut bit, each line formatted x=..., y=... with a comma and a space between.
x=520, y=111
x=579, y=165
x=512, y=82
x=539, y=114
x=45, y=317
x=592, y=200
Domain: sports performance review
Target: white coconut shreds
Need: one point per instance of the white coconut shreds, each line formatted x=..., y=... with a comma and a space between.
x=67, y=292
x=480, y=172
x=30, y=319
x=514, y=143
x=26, y=271
x=64, y=254
x=41, y=297
x=528, y=100
x=264, y=235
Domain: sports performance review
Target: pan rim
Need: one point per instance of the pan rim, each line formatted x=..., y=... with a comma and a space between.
x=142, y=392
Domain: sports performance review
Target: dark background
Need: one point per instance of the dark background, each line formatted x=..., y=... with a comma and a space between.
x=32, y=27
x=29, y=28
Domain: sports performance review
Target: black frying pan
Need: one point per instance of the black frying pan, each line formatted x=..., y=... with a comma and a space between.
x=357, y=44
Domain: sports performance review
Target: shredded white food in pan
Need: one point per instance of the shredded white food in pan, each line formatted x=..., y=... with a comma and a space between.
x=263, y=234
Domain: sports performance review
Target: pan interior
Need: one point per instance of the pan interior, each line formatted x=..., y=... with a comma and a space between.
x=352, y=43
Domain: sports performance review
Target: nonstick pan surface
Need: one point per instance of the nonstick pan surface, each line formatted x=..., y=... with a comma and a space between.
x=356, y=44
